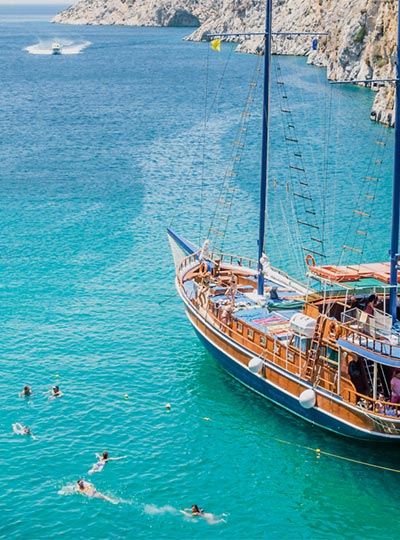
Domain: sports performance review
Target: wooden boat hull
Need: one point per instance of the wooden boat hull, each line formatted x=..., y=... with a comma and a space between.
x=283, y=389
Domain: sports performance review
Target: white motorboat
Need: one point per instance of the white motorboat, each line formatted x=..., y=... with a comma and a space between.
x=56, y=48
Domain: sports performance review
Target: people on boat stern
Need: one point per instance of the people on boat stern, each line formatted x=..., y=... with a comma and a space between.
x=395, y=387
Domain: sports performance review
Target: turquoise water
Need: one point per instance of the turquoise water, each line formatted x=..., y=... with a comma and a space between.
x=98, y=151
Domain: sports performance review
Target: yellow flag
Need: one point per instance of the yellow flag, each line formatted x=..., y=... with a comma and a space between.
x=216, y=44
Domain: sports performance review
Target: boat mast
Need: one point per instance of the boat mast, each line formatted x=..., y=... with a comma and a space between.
x=264, y=150
x=394, y=250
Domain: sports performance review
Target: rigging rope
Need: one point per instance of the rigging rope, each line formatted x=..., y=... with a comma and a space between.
x=209, y=105
x=357, y=233
x=302, y=189
x=223, y=207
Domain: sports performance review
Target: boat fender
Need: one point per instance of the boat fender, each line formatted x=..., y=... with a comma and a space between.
x=310, y=260
x=255, y=364
x=307, y=399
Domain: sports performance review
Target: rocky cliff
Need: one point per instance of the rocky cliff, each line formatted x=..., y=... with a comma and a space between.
x=138, y=12
x=360, y=44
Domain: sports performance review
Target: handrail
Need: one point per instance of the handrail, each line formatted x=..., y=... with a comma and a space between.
x=267, y=355
x=372, y=405
x=365, y=341
x=234, y=260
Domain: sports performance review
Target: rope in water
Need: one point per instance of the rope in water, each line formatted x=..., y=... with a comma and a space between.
x=319, y=452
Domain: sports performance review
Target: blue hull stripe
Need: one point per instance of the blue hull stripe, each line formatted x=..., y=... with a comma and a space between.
x=187, y=246
x=282, y=398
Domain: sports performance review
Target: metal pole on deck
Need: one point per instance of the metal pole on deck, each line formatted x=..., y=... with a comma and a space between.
x=394, y=249
x=265, y=139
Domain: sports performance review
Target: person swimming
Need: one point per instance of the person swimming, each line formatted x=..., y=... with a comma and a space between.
x=26, y=392
x=103, y=459
x=55, y=392
x=90, y=491
x=19, y=429
x=196, y=511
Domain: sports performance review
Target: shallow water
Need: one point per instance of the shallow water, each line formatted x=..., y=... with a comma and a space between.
x=97, y=154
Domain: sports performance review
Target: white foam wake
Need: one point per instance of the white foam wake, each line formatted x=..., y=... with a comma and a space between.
x=153, y=510
x=67, y=47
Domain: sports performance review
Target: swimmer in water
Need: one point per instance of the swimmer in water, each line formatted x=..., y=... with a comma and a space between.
x=19, y=429
x=26, y=392
x=55, y=392
x=196, y=511
x=103, y=459
x=88, y=489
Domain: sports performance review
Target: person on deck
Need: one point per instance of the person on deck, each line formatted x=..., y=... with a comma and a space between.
x=371, y=304
x=357, y=376
x=216, y=268
x=395, y=387
x=203, y=289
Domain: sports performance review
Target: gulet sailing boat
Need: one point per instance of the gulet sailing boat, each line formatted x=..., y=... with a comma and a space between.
x=312, y=351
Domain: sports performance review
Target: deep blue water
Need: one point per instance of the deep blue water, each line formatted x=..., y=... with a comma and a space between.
x=99, y=152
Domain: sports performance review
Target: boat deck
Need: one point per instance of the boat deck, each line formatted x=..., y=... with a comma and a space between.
x=355, y=276
x=270, y=316
x=272, y=323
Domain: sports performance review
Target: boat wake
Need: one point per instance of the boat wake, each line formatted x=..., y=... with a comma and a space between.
x=71, y=489
x=63, y=47
x=152, y=509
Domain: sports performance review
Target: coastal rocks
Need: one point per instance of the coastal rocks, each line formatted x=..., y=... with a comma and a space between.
x=176, y=13
x=360, y=44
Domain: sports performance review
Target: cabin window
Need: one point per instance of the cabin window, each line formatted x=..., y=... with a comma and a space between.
x=250, y=333
x=262, y=340
x=239, y=327
x=300, y=343
x=331, y=355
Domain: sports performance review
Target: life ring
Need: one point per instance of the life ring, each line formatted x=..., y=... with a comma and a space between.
x=203, y=269
x=310, y=261
x=334, y=331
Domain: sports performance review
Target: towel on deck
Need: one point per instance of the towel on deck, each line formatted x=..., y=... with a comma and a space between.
x=274, y=318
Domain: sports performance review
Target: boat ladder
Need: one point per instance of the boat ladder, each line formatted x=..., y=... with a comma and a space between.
x=311, y=363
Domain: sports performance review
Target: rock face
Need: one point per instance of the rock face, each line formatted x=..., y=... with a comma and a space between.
x=360, y=45
x=137, y=12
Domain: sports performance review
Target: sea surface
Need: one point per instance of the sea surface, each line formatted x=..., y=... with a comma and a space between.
x=99, y=152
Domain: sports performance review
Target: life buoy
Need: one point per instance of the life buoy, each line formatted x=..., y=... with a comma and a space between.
x=310, y=261
x=203, y=269
x=334, y=330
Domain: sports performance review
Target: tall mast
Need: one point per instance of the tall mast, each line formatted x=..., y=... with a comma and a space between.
x=394, y=250
x=265, y=137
